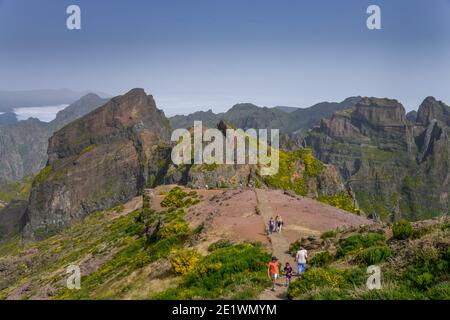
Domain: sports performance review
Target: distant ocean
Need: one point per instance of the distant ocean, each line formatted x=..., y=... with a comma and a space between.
x=45, y=113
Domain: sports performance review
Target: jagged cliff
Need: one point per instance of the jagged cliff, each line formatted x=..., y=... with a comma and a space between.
x=100, y=160
x=396, y=167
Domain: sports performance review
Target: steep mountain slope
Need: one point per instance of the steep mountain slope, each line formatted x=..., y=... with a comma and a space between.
x=396, y=168
x=100, y=160
x=23, y=145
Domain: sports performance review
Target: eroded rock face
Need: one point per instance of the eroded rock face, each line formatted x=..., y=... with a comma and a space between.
x=98, y=161
x=430, y=110
x=396, y=168
x=12, y=218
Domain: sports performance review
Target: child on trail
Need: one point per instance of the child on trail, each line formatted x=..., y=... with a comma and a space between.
x=288, y=271
x=272, y=271
x=301, y=257
x=271, y=225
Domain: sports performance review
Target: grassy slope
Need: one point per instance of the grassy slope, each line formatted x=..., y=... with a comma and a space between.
x=15, y=190
x=415, y=268
x=124, y=254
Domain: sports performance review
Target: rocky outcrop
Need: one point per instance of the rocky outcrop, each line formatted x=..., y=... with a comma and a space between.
x=390, y=163
x=12, y=218
x=430, y=110
x=98, y=161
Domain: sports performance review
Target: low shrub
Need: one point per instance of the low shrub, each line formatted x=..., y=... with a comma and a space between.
x=329, y=234
x=237, y=271
x=177, y=198
x=178, y=226
x=374, y=255
x=359, y=241
x=429, y=266
x=316, y=278
x=341, y=201
x=222, y=243
x=326, y=283
x=321, y=259
x=184, y=261
x=402, y=230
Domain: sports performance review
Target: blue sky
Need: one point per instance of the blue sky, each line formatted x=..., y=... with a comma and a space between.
x=201, y=54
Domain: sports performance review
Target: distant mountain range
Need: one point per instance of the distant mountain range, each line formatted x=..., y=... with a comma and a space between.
x=246, y=115
x=37, y=98
x=23, y=144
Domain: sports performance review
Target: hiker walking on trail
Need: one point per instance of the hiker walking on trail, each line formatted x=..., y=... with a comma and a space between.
x=279, y=222
x=288, y=271
x=301, y=257
x=272, y=271
x=271, y=225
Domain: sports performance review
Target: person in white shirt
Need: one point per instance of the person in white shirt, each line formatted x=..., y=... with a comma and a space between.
x=301, y=257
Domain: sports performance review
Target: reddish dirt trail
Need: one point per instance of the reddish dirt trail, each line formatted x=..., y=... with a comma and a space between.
x=280, y=247
x=232, y=214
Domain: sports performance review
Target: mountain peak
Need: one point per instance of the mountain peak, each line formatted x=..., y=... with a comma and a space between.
x=431, y=109
x=380, y=111
x=98, y=161
x=243, y=107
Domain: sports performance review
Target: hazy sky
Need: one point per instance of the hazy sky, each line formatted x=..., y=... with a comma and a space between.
x=200, y=54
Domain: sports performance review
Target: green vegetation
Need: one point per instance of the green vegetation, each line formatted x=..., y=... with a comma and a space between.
x=321, y=259
x=222, y=243
x=184, y=261
x=429, y=267
x=359, y=241
x=234, y=272
x=88, y=149
x=328, y=234
x=402, y=230
x=337, y=282
x=376, y=203
x=15, y=190
x=43, y=175
x=177, y=198
x=295, y=170
x=374, y=255
x=415, y=269
x=340, y=201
